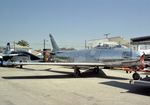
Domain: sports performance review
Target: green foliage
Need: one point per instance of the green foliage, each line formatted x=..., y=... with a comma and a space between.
x=23, y=43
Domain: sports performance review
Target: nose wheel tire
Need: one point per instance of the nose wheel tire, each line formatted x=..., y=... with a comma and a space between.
x=136, y=76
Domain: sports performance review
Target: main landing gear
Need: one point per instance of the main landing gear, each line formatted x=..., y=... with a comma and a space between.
x=95, y=70
x=21, y=66
x=1, y=62
x=77, y=72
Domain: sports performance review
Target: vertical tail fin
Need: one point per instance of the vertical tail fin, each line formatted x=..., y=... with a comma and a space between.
x=54, y=44
x=7, y=50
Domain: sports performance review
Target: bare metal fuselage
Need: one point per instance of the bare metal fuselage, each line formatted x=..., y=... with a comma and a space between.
x=97, y=55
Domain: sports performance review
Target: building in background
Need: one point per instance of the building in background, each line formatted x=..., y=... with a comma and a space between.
x=112, y=41
x=141, y=44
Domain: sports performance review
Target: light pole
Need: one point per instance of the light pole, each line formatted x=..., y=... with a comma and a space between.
x=44, y=44
x=106, y=35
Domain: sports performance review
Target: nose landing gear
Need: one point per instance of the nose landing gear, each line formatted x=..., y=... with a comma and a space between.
x=136, y=76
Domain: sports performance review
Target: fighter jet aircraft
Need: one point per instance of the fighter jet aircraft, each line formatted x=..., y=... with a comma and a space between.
x=94, y=58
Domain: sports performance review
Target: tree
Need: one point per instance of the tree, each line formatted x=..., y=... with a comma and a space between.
x=23, y=43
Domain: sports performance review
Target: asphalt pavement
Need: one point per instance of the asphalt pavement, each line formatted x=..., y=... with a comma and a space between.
x=49, y=85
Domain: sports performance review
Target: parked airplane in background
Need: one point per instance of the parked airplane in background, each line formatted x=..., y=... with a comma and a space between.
x=95, y=58
x=13, y=56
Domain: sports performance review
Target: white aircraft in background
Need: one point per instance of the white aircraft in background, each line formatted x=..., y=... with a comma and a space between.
x=9, y=56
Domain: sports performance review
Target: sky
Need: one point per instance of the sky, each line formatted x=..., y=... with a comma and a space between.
x=71, y=22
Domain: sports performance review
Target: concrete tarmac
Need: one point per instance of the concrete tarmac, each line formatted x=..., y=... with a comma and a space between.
x=48, y=85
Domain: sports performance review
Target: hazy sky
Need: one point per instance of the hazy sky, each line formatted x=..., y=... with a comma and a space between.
x=71, y=22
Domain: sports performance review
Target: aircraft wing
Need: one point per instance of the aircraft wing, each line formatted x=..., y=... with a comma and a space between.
x=77, y=65
x=80, y=64
x=9, y=54
x=58, y=64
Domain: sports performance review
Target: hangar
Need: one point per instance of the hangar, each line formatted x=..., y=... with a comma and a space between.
x=140, y=40
x=111, y=41
x=141, y=44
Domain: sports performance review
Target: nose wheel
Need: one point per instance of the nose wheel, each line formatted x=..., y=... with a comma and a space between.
x=136, y=76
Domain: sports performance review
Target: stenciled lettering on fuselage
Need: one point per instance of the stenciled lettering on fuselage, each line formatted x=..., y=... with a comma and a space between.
x=127, y=54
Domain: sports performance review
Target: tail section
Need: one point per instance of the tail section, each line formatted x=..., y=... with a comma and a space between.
x=54, y=44
x=7, y=49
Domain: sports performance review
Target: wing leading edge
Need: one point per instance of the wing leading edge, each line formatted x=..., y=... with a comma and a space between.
x=78, y=64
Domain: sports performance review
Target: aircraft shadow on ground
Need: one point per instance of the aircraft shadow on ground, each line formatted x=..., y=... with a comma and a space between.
x=63, y=75
x=135, y=89
x=30, y=69
x=39, y=77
